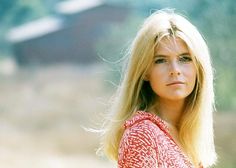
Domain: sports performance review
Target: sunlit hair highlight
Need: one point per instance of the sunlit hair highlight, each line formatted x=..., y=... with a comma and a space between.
x=134, y=92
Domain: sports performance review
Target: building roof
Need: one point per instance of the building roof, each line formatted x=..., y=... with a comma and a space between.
x=47, y=25
x=75, y=6
x=34, y=29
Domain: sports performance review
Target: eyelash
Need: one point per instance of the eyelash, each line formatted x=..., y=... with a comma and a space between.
x=160, y=60
x=184, y=59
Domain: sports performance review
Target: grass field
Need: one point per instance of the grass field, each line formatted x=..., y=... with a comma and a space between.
x=44, y=110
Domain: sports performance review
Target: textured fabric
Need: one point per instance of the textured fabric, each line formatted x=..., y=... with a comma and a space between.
x=146, y=143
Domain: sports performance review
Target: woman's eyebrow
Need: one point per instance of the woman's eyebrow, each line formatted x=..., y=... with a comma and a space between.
x=163, y=55
x=185, y=53
x=160, y=55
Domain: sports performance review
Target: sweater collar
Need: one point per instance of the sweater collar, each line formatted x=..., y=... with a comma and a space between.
x=142, y=115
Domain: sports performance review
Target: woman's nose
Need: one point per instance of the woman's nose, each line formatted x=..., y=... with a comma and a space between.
x=174, y=69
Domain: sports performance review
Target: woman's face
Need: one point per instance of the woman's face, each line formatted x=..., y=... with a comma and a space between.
x=173, y=74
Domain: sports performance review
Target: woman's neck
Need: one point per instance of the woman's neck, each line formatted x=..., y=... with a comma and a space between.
x=170, y=110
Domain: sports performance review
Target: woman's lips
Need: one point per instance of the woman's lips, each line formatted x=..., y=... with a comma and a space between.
x=175, y=83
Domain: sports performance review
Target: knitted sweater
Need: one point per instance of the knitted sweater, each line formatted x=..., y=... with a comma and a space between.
x=147, y=143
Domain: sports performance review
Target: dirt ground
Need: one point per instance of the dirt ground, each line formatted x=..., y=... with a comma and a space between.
x=44, y=113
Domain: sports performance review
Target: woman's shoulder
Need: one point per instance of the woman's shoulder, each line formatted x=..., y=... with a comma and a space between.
x=138, y=145
x=145, y=120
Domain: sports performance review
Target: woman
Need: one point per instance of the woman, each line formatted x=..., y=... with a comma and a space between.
x=163, y=108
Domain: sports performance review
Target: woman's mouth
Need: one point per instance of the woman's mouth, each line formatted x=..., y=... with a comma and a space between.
x=175, y=83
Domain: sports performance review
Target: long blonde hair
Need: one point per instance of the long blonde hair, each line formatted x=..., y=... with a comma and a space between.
x=134, y=93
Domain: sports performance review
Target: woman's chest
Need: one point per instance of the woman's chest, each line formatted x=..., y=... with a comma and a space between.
x=170, y=154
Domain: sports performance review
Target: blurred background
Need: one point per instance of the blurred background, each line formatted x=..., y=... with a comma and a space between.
x=59, y=65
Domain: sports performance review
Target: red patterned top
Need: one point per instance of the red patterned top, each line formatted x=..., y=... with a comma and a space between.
x=146, y=143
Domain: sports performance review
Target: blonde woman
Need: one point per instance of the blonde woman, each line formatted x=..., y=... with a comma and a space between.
x=162, y=113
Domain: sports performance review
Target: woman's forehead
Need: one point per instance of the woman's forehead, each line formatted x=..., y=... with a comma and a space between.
x=171, y=45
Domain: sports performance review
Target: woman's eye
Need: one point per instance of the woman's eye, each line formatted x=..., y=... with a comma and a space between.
x=185, y=59
x=160, y=60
